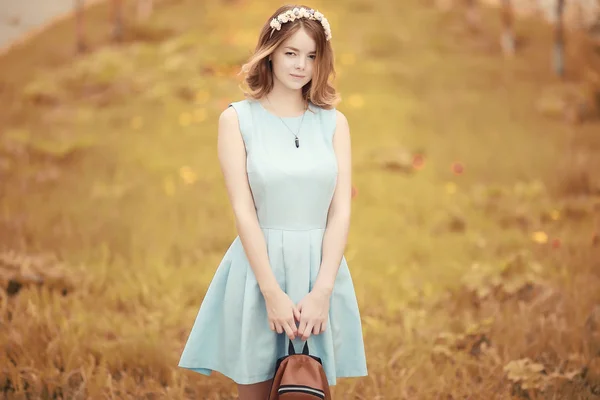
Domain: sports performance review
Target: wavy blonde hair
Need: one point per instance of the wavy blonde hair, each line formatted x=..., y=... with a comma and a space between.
x=258, y=79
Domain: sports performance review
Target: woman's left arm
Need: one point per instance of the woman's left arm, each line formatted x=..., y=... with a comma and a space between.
x=314, y=307
x=338, y=218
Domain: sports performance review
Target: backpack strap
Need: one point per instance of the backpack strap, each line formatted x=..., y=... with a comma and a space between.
x=305, y=349
x=292, y=351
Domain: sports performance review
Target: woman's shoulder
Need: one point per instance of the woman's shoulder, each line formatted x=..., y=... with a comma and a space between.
x=241, y=103
x=329, y=114
x=237, y=108
x=320, y=110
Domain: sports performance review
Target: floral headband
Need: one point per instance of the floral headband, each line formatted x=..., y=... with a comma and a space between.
x=297, y=13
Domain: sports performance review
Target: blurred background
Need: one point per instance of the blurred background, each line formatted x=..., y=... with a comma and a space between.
x=474, y=245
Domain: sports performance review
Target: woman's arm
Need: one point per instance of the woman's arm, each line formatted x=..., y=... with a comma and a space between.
x=338, y=219
x=314, y=308
x=281, y=311
x=232, y=158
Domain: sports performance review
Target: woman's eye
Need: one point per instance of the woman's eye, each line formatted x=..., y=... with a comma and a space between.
x=289, y=53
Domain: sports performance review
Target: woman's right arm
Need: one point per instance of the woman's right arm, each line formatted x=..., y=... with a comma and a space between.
x=232, y=158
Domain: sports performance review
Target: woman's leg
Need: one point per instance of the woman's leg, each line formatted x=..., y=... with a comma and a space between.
x=256, y=391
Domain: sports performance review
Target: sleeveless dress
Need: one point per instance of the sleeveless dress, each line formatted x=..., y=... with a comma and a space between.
x=292, y=190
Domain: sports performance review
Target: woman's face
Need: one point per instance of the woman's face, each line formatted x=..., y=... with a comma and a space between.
x=294, y=59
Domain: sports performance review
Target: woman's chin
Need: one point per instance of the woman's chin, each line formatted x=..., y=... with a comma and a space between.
x=295, y=85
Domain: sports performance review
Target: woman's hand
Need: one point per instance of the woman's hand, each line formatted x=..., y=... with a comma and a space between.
x=314, y=310
x=282, y=312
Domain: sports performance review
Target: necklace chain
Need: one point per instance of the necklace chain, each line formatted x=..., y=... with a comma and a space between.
x=297, y=141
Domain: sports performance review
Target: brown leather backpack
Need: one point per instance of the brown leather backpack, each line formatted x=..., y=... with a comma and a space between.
x=299, y=377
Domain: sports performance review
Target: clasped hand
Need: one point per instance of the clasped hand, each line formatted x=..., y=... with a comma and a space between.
x=310, y=313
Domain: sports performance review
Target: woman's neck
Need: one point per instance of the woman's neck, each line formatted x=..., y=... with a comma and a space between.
x=285, y=101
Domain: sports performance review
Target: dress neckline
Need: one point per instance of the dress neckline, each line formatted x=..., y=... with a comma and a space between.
x=284, y=118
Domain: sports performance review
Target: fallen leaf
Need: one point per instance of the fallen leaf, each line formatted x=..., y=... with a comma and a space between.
x=188, y=175
x=540, y=237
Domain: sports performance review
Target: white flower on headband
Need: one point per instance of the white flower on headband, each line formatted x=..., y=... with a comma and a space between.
x=297, y=13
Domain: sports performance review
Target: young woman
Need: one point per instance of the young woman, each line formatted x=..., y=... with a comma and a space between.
x=285, y=156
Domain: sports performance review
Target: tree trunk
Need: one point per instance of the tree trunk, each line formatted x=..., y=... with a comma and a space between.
x=117, y=19
x=472, y=15
x=508, y=35
x=79, y=31
x=559, y=39
x=144, y=8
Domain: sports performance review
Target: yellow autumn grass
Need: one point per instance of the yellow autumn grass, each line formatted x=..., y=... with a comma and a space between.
x=476, y=283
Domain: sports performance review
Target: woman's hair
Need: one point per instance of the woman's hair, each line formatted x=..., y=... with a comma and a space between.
x=259, y=75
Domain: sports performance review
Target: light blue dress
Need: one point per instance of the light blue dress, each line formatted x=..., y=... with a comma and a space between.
x=292, y=190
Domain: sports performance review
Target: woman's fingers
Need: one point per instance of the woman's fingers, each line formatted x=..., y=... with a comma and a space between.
x=293, y=326
x=306, y=328
x=292, y=323
x=297, y=314
x=317, y=329
x=302, y=326
x=306, y=332
x=289, y=331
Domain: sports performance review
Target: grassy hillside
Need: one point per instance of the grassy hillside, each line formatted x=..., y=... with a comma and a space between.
x=474, y=243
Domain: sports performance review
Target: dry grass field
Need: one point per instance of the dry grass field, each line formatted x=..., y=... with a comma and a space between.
x=474, y=244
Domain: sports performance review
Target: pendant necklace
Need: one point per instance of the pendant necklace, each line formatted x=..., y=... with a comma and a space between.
x=297, y=141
